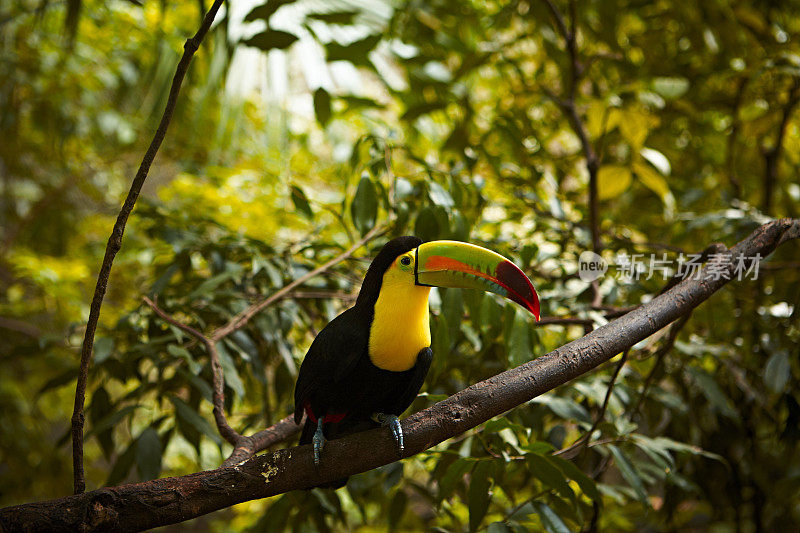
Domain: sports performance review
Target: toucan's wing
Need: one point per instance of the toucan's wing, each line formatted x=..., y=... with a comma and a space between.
x=419, y=371
x=332, y=356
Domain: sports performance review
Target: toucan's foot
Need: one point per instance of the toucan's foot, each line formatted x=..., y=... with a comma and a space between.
x=318, y=440
x=393, y=423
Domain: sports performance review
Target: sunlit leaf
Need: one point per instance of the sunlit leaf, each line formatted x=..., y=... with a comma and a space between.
x=657, y=159
x=439, y=195
x=634, y=124
x=651, y=179
x=612, y=180
x=671, y=88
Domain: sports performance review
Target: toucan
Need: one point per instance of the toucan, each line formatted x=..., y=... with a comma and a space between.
x=367, y=365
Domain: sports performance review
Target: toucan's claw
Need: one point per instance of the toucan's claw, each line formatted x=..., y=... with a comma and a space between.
x=393, y=423
x=318, y=441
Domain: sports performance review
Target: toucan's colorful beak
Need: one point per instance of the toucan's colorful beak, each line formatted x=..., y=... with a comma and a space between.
x=463, y=265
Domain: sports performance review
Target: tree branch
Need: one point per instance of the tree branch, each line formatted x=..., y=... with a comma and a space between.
x=569, y=107
x=115, y=242
x=170, y=500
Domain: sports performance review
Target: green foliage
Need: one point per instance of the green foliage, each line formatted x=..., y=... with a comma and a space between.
x=682, y=105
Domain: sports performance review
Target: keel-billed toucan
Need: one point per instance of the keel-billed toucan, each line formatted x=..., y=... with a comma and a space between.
x=367, y=365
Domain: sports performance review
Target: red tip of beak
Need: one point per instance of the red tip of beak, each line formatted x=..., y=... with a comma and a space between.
x=519, y=287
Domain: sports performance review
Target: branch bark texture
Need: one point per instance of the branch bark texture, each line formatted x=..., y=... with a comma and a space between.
x=165, y=501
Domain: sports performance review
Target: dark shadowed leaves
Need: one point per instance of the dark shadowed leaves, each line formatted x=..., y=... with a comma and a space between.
x=271, y=39
x=364, y=208
x=629, y=473
x=266, y=10
x=187, y=415
x=549, y=474
x=300, y=201
x=550, y=520
x=356, y=52
x=479, y=496
x=148, y=454
x=334, y=17
x=322, y=106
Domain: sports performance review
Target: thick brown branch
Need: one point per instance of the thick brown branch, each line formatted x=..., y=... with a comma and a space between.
x=165, y=501
x=115, y=242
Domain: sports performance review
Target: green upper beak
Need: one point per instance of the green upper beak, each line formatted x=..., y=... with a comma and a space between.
x=463, y=265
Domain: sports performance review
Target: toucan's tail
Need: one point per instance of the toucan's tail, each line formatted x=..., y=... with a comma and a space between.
x=305, y=438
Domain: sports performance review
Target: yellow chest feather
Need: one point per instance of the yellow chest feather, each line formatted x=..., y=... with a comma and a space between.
x=401, y=327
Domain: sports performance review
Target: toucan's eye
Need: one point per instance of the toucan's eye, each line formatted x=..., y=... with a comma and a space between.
x=405, y=260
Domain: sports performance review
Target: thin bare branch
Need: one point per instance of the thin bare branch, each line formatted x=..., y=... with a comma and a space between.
x=175, y=322
x=660, y=355
x=587, y=323
x=569, y=107
x=244, y=317
x=115, y=243
x=772, y=155
x=217, y=374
